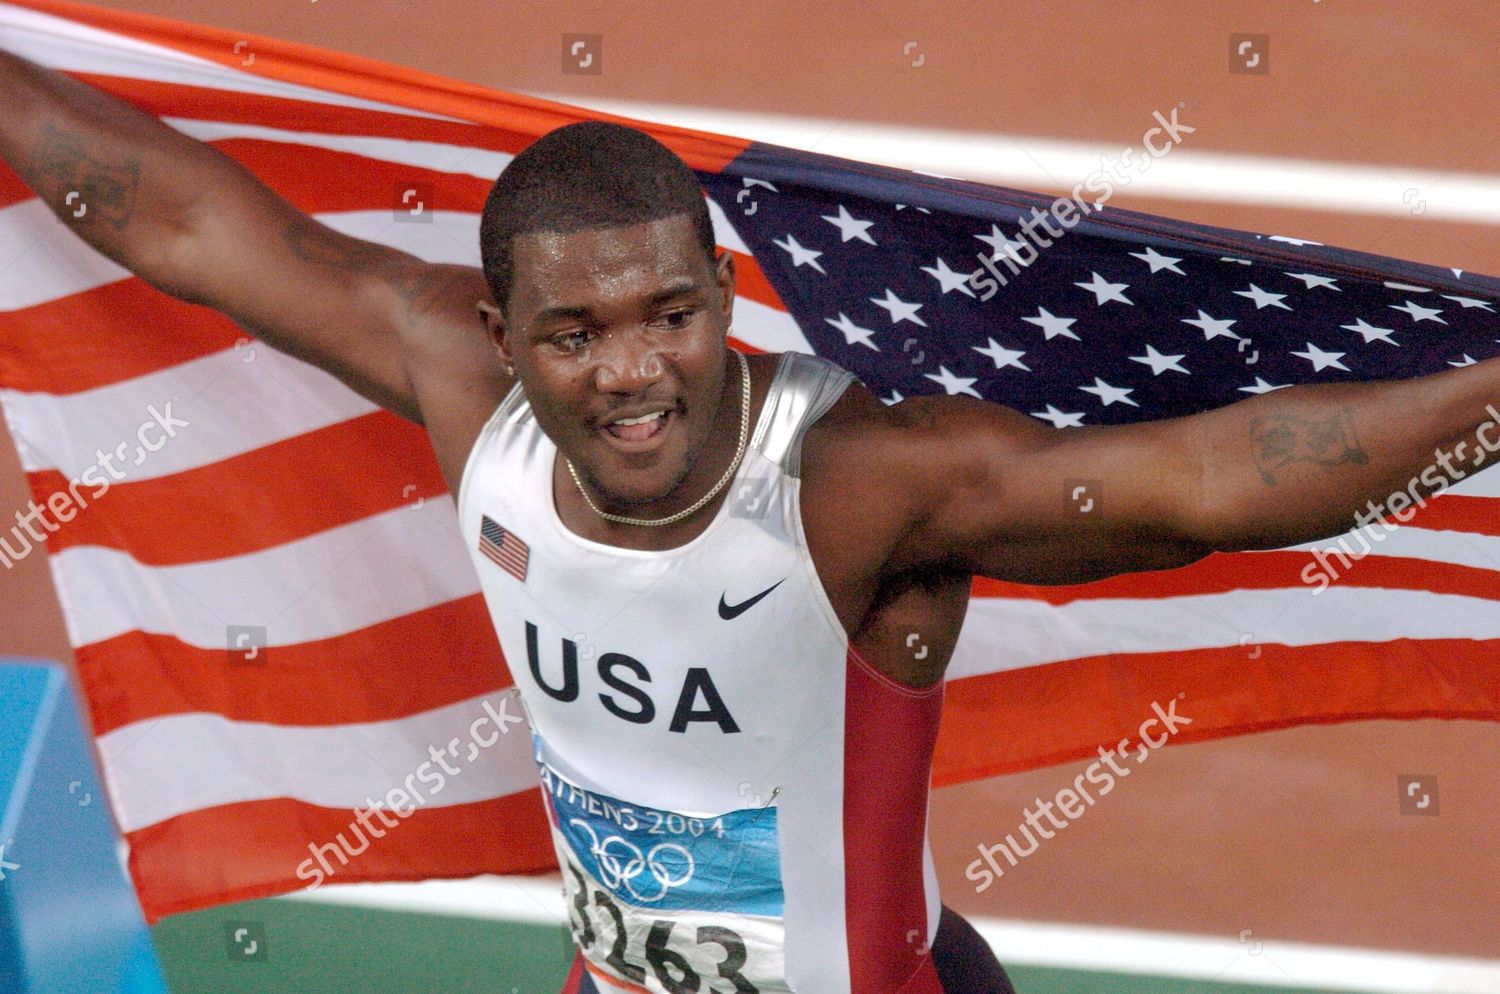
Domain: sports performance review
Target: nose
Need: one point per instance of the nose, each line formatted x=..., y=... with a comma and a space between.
x=626, y=362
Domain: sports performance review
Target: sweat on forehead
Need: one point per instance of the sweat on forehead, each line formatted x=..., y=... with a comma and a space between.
x=640, y=266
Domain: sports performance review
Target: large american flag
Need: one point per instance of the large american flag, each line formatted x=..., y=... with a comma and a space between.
x=274, y=616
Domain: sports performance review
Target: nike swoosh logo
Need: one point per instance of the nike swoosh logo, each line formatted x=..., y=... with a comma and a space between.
x=729, y=612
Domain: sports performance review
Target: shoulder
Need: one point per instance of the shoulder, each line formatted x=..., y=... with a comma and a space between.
x=923, y=431
x=454, y=372
x=894, y=467
x=857, y=493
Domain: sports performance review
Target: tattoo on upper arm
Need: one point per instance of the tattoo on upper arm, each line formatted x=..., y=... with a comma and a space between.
x=85, y=189
x=424, y=286
x=311, y=245
x=1281, y=440
x=914, y=412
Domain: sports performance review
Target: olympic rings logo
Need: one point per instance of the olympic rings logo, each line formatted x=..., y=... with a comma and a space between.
x=615, y=874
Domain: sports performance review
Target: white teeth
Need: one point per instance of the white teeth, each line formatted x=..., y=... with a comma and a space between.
x=640, y=420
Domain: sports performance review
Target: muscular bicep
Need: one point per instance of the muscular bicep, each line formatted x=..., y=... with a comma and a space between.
x=193, y=222
x=455, y=373
x=995, y=493
x=402, y=332
x=299, y=286
x=362, y=311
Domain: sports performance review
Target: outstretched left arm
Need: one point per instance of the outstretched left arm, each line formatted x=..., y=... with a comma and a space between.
x=995, y=493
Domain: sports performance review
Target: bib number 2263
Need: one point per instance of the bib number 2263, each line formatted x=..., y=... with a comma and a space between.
x=677, y=973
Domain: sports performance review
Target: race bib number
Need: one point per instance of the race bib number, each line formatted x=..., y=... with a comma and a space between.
x=666, y=901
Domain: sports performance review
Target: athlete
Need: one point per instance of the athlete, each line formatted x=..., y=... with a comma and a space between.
x=705, y=568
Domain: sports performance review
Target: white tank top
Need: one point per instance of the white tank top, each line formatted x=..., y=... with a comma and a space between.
x=738, y=800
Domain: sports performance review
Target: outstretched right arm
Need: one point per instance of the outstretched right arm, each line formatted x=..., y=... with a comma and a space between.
x=197, y=225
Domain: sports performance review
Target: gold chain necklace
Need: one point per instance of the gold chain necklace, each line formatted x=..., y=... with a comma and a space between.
x=739, y=453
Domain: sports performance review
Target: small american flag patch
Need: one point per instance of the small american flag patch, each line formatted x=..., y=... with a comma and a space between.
x=503, y=547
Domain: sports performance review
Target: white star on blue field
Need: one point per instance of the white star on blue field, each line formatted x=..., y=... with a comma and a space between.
x=1124, y=317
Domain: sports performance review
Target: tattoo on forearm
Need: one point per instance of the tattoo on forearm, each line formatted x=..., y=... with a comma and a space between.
x=1278, y=441
x=83, y=189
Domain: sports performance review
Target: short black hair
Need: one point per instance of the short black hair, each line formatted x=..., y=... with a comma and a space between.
x=589, y=174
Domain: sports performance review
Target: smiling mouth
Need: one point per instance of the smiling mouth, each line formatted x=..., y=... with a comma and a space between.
x=643, y=433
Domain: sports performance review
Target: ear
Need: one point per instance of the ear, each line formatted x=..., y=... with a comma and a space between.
x=725, y=279
x=493, y=320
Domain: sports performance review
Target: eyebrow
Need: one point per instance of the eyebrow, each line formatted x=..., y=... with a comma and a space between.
x=671, y=291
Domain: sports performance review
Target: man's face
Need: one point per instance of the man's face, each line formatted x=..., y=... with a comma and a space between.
x=613, y=323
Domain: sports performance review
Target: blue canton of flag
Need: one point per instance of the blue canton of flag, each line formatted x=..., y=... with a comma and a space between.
x=918, y=284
